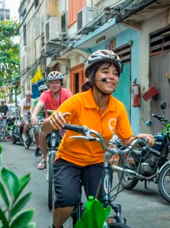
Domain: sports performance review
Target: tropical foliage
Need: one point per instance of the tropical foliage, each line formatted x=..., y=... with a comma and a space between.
x=12, y=208
x=9, y=56
x=95, y=216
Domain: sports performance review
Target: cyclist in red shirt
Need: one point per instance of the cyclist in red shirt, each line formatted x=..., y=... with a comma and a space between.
x=50, y=99
x=96, y=108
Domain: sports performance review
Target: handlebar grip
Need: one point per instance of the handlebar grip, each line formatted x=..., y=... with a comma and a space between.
x=76, y=128
x=142, y=142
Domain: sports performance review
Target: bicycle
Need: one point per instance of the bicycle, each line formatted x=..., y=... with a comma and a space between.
x=53, y=141
x=105, y=186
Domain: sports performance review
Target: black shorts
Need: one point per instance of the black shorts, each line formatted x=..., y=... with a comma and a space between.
x=68, y=178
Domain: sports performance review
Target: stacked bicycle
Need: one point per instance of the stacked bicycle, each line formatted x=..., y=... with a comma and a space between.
x=105, y=186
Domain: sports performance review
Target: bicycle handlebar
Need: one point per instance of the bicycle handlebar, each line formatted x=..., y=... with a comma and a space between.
x=87, y=136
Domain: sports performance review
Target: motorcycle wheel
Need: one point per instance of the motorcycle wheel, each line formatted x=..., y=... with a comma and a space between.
x=164, y=183
x=27, y=143
x=2, y=133
x=128, y=181
x=14, y=140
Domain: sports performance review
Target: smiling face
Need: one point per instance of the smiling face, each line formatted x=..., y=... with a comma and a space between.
x=109, y=72
x=55, y=85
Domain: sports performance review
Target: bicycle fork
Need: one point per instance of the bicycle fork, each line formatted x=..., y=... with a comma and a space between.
x=105, y=194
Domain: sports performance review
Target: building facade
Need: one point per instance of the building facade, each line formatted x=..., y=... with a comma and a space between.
x=61, y=34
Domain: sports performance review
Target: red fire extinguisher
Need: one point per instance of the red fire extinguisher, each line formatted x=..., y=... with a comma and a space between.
x=136, y=94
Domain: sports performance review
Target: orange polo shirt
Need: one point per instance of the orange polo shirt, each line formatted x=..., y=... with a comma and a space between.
x=84, y=111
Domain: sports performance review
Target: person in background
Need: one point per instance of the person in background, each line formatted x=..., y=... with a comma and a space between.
x=25, y=105
x=41, y=115
x=80, y=160
x=50, y=99
x=4, y=112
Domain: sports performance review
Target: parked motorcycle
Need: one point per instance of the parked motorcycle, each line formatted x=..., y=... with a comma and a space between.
x=17, y=132
x=151, y=164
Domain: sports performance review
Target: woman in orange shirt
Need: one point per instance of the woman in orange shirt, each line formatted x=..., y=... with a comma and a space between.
x=100, y=111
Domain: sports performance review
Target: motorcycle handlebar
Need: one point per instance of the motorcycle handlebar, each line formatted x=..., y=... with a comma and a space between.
x=160, y=118
x=92, y=135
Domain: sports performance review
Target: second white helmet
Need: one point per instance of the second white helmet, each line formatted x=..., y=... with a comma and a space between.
x=55, y=75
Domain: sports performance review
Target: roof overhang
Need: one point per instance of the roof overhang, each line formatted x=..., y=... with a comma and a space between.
x=100, y=35
x=144, y=13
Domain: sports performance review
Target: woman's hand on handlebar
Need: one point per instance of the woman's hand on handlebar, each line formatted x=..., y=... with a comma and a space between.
x=57, y=119
x=149, y=138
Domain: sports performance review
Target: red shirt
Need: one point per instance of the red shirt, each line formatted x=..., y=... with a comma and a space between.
x=51, y=103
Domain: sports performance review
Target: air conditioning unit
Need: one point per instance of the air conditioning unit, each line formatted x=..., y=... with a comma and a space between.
x=84, y=16
x=53, y=29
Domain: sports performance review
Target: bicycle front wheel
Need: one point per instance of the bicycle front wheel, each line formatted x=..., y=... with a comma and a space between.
x=2, y=133
x=50, y=180
x=164, y=183
x=118, y=225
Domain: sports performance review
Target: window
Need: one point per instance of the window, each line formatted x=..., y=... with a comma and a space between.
x=63, y=23
x=160, y=41
x=37, y=25
x=24, y=35
x=74, y=6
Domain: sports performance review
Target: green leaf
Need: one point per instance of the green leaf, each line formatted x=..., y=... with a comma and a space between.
x=89, y=219
x=23, y=218
x=79, y=224
x=4, y=195
x=0, y=159
x=107, y=212
x=98, y=211
x=0, y=155
x=23, y=181
x=11, y=181
x=3, y=219
x=20, y=204
x=31, y=225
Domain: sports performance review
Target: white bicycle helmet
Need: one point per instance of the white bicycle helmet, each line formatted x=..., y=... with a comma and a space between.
x=28, y=93
x=42, y=88
x=103, y=56
x=55, y=75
